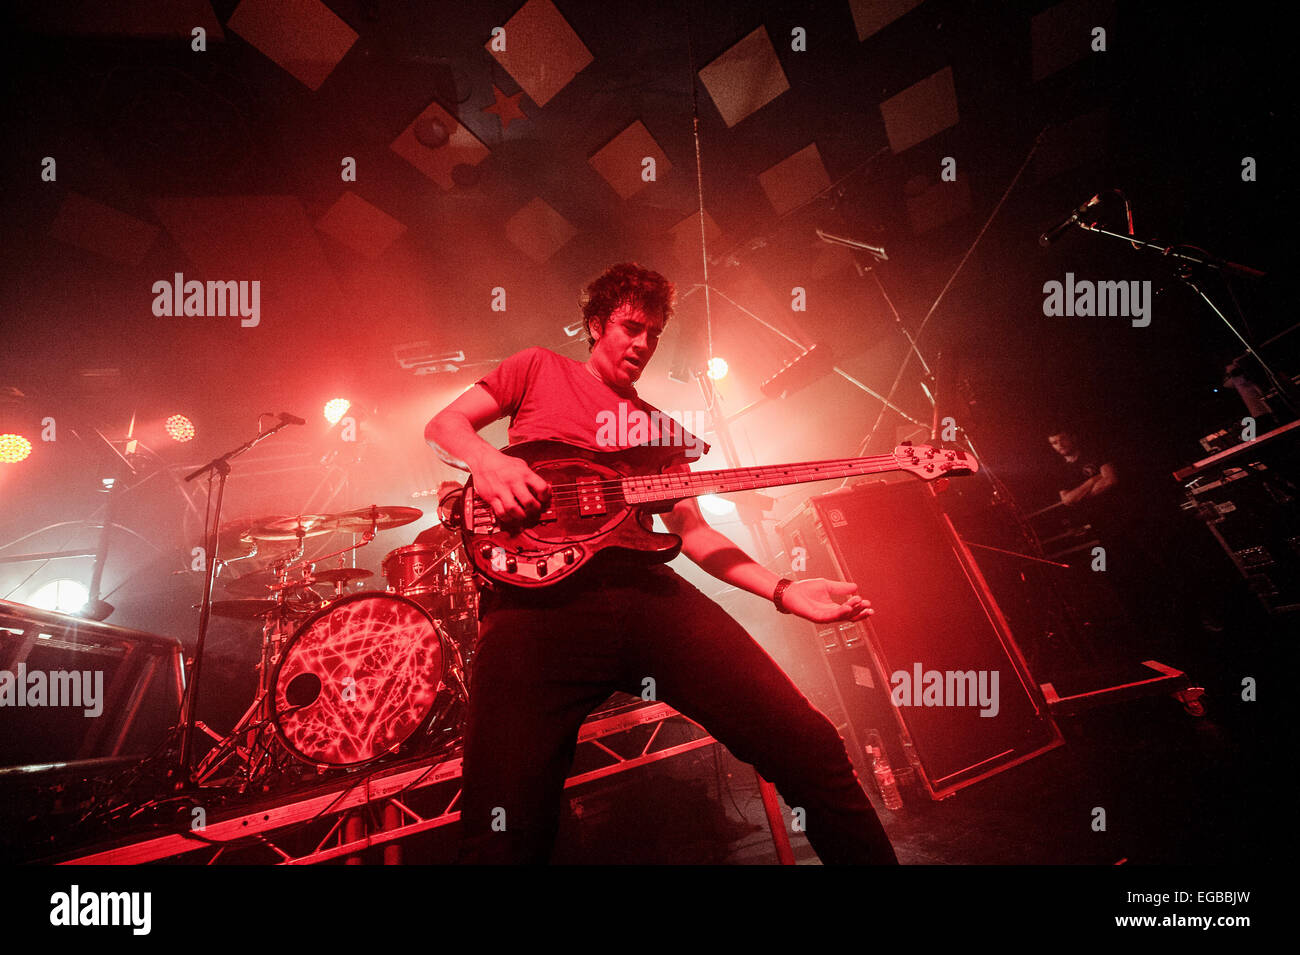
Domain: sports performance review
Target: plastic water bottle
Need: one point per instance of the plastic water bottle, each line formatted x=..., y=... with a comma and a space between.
x=883, y=772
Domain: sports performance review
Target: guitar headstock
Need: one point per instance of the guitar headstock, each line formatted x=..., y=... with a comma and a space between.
x=929, y=463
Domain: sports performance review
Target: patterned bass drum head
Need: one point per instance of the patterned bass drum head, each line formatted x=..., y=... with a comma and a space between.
x=357, y=678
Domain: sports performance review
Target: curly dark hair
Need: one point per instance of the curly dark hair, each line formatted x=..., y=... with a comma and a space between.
x=622, y=284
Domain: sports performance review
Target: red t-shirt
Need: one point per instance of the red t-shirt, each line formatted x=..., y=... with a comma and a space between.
x=550, y=397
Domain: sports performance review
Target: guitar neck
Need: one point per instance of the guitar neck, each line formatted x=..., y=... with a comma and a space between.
x=671, y=487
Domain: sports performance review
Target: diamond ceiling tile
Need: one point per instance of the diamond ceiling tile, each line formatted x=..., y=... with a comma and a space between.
x=795, y=180
x=248, y=237
x=303, y=37
x=619, y=162
x=436, y=163
x=542, y=52
x=872, y=16
x=101, y=229
x=363, y=228
x=941, y=202
x=745, y=78
x=1062, y=35
x=920, y=111
x=539, y=231
x=686, y=236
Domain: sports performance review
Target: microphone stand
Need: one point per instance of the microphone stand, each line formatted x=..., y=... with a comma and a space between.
x=1188, y=261
x=185, y=727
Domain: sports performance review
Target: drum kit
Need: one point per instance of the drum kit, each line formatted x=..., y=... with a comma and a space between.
x=346, y=678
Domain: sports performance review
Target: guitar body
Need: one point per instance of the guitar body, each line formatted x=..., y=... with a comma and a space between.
x=588, y=516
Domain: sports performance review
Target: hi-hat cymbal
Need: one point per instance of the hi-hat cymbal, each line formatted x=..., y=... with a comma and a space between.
x=247, y=609
x=290, y=528
x=261, y=583
x=334, y=575
x=381, y=517
x=232, y=544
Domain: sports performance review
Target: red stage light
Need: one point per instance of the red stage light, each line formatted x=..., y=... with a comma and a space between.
x=717, y=368
x=180, y=428
x=336, y=408
x=14, y=448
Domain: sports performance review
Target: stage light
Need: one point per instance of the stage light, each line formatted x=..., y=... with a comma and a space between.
x=335, y=409
x=14, y=448
x=717, y=506
x=180, y=428
x=717, y=368
x=63, y=595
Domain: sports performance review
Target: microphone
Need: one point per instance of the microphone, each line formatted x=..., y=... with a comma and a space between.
x=1054, y=233
x=876, y=250
x=291, y=419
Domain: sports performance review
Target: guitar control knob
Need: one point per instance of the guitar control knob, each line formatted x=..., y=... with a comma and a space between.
x=511, y=565
x=570, y=556
x=541, y=568
x=485, y=551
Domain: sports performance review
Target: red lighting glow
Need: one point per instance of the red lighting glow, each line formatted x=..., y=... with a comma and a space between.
x=717, y=368
x=14, y=448
x=180, y=428
x=336, y=408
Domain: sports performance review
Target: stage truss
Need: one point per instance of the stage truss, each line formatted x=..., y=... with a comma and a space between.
x=342, y=817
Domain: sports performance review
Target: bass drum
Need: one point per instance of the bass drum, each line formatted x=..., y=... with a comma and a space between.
x=360, y=677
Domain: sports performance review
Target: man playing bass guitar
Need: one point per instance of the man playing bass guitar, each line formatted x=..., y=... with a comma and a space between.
x=547, y=656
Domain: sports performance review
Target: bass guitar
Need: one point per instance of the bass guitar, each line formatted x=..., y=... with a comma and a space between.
x=604, y=501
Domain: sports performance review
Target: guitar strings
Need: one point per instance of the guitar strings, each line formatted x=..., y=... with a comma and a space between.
x=561, y=492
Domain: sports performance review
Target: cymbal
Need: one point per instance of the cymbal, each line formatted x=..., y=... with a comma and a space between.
x=287, y=528
x=246, y=609
x=344, y=575
x=231, y=542
x=261, y=583
x=382, y=517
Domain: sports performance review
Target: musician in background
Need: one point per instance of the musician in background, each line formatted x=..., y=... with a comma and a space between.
x=546, y=657
x=440, y=533
x=1128, y=521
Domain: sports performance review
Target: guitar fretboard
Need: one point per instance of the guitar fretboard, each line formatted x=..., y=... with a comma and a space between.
x=668, y=487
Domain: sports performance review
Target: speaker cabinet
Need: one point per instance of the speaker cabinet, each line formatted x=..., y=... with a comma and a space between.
x=935, y=670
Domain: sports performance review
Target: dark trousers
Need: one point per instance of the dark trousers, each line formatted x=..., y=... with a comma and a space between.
x=545, y=659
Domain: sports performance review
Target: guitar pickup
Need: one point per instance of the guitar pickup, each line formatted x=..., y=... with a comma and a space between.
x=591, y=499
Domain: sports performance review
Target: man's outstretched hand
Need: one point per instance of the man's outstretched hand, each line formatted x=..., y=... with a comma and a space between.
x=821, y=600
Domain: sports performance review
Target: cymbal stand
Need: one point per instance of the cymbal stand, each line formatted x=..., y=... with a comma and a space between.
x=188, y=714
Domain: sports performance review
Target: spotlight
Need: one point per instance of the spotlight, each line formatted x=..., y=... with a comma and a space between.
x=63, y=595
x=180, y=428
x=14, y=448
x=717, y=506
x=335, y=409
x=717, y=368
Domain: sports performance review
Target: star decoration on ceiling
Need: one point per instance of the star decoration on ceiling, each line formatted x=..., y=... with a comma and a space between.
x=506, y=107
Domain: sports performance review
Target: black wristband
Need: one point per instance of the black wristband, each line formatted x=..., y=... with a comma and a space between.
x=780, y=589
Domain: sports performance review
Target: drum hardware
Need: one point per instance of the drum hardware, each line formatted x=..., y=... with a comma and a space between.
x=347, y=679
